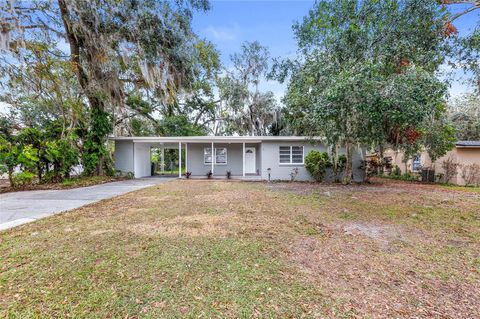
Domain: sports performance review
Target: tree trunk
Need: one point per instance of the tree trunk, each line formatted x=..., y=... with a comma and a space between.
x=381, y=157
x=10, y=177
x=347, y=177
x=97, y=105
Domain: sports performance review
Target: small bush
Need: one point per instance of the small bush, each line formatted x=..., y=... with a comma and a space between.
x=396, y=172
x=450, y=168
x=23, y=179
x=471, y=174
x=317, y=163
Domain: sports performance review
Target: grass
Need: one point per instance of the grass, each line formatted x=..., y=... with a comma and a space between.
x=77, y=181
x=216, y=249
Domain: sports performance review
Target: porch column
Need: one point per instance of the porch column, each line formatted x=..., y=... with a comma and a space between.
x=186, y=157
x=243, y=160
x=162, y=160
x=179, y=159
x=213, y=157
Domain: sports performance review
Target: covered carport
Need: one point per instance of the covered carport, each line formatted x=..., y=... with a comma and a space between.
x=134, y=155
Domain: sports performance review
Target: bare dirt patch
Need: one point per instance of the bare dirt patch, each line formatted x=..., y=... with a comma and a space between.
x=220, y=249
x=367, y=282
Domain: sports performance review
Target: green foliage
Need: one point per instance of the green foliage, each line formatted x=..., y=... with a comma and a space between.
x=317, y=163
x=464, y=115
x=361, y=81
x=396, y=171
x=180, y=126
x=248, y=111
x=63, y=155
x=95, y=156
x=23, y=179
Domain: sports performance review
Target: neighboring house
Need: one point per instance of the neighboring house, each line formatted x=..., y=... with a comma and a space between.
x=463, y=154
x=250, y=157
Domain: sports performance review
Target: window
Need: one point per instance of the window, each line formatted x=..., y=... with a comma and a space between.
x=220, y=155
x=291, y=154
x=416, y=163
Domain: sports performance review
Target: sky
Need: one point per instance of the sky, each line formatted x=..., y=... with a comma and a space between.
x=230, y=23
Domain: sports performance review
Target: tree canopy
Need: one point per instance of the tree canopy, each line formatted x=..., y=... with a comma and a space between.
x=367, y=75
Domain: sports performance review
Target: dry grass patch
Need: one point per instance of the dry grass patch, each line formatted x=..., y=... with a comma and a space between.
x=219, y=249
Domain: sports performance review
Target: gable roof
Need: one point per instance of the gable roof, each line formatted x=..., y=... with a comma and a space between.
x=473, y=144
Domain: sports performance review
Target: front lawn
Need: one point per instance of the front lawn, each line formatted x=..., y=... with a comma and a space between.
x=192, y=248
x=73, y=182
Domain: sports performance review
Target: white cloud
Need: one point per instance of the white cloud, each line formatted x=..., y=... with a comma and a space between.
x=223, y=33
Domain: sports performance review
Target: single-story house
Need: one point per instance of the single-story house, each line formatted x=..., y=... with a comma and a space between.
x=464, y=153
x=246, y=157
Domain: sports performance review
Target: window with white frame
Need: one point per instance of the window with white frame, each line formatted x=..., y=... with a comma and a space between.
x=417, y=163
x=220, y=155
x=291, y=154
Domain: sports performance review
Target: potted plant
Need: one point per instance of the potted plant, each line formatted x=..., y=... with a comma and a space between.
x=188, y=174
x=209, y=174
x=229, y=174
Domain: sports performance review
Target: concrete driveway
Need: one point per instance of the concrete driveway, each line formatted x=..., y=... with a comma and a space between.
x=23, y=207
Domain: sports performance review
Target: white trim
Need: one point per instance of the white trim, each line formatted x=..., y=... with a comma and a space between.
x=180, y=159
x=214, y=156
x=243, y=160
x=291, y=155
x=217, y=139
x=186, y=157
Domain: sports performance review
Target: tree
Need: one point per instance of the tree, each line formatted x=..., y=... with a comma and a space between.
x=464, y=114
x=366, y=73
x=245, y=110
x=115, y=49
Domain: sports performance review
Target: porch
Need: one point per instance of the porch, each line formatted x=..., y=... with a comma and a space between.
x=201, y=157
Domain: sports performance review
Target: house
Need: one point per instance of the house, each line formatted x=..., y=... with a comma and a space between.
x=246, y=157
x=464, y=154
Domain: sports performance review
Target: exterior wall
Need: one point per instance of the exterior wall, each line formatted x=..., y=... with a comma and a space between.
x=467, y=156
x=462, y=156
x=197, y=166
x=271, y=159
x=142, y=160
x=123, y=156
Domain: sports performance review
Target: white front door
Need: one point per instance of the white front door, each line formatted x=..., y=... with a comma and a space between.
x=250, y=160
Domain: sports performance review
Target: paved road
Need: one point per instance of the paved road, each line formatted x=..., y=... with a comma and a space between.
x=23, y=207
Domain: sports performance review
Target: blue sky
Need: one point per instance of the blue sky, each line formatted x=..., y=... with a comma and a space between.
x=229, y=23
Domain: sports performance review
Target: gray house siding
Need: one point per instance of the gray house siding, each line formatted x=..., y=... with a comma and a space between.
x=197, y=166
x=135, y=157
x=142, y=160
x=271, y=159
x=123, y=156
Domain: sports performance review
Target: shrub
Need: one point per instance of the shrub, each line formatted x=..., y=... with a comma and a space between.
x=450, y=168
x=317, y=163
x=471, y=174
x=23, y=179
x=396, y=171
x=188, y=174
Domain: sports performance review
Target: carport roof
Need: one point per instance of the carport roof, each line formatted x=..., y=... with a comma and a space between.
x=209, y=139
